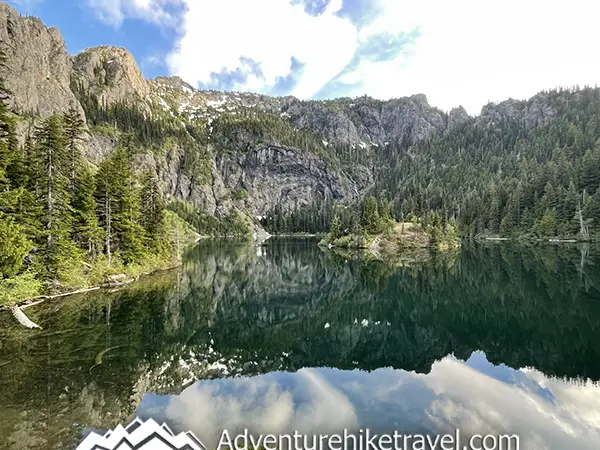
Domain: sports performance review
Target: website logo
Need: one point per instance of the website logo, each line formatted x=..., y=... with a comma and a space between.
x=147, y=435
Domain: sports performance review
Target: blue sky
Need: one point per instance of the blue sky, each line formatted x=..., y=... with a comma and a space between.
x=455, y=52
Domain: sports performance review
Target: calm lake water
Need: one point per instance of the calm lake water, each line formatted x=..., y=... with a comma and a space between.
x=286, y=336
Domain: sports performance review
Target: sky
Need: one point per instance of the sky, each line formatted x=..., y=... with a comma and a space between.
x=460, y=52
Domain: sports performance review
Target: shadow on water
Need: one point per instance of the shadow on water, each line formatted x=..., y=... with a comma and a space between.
x=271, y=313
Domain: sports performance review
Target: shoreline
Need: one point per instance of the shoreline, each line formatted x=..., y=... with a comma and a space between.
x=119, y=282
x=295, y=235
x=520, y=240
x=396, y=239
x=21, y=317
x=107, y=284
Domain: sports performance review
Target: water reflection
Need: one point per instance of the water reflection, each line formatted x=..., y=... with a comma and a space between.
x=236, y=310
x=474, y=396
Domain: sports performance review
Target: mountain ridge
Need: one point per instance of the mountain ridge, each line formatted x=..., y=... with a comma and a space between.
x=204, y=145
x=111, y=76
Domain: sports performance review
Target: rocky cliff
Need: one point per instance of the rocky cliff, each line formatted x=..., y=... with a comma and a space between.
x=38, y=68
x=292, y=154
x=112, y=75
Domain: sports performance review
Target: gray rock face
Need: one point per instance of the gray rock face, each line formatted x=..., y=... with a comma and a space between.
x=538, y=111
x=492, y=114
x=369, y=122
x=285, y=177
x=38, y=67
x=97, y=147
x=111, y=74
x=457, y=117
x=533, y=113
x=333, y=124
x=412, y=119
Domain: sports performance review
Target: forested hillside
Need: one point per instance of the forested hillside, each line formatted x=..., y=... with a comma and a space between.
x=495, y=175
x=67, y=224
x=504, y=177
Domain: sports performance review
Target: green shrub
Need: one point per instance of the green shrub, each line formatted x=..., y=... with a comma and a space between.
x=17, y=289
x=239, y=194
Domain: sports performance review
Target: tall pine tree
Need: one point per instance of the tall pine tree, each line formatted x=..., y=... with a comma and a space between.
x=74, y=128
x=56, y=216
x=119, y=208
x=152, y=210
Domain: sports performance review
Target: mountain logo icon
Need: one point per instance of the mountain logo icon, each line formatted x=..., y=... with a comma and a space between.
x=142, y=435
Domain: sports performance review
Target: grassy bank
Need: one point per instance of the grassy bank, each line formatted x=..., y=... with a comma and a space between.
x=98, y=272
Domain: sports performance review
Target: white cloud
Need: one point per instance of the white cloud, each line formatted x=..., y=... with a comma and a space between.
x=546, y=413
x=261, y=405
x=114, y=12
x=471, y=52
x=476, y=403
x=216, y=34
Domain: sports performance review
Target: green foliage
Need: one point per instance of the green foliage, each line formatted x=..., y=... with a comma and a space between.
x=84, y=226
x=443, y=234
x=15, y=201
x=497, y=178
x=235, y=131
x=51, y=172
x=177, y=231
x=239, y=194
x=546, y=226
x=370, y=216
x=353, y=241
x=150, y=133
x=233, y=225
x=14, y=246
x=19, y=288
x=152, y=211
x=106, y=130
x=335, y=231
x=371, y=221
x=118, y=200
x=73, y=128
x=197, y=164
x=507, y=178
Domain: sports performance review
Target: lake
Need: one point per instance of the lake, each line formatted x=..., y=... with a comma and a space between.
x=493, y=338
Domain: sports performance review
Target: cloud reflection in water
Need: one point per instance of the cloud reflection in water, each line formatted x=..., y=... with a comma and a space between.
x=475, y=396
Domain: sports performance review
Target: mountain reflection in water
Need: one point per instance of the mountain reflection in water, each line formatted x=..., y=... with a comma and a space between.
x=321, y=340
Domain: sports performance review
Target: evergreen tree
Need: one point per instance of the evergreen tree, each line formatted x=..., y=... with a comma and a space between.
x=74, y=128
x=14, y=247
x=56, y=216
x=370, y=219
x=17, y=204
x=118, y=203
x=86, y=228
x=105, y=196
x=152, y=209
x=335, y=231
x=546, y=226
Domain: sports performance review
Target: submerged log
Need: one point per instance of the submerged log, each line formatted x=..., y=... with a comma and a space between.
x=23, y=319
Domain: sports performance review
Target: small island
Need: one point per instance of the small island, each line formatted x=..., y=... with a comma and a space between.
x=376, y=231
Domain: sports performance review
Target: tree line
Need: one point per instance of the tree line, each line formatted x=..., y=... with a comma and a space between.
x=65, y=223
x=502, y=177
